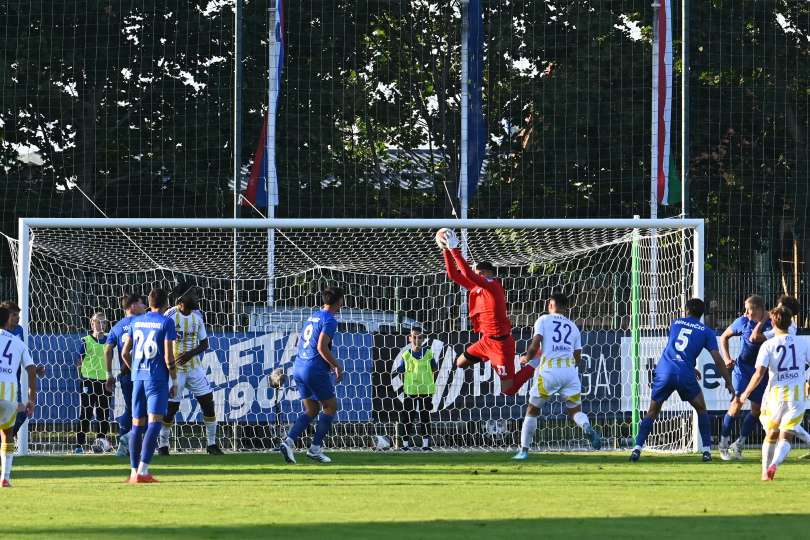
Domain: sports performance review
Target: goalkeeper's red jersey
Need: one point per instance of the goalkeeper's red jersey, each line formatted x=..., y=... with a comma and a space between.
x=486, y=297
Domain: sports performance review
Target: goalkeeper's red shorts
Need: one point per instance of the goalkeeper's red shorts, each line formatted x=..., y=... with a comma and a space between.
x=498, y=351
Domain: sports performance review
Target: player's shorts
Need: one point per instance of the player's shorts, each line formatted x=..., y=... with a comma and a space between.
x=782, y=415
x=313, y=382
x=192, y=380
x=740, y=377
x=563, y=381
x=499, y=352
x=149, y=397
x=8, y=413
x=668, y=380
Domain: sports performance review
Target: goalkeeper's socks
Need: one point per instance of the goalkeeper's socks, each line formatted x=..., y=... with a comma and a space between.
x=725, y=431
x=211, y=429
x=520, y=377
x=705, y=428
x=135, y=444
x=322, y=428
x=748, y=425
x=150, y=442
x=527, y=432
x=300, y=425
x=802, y=434
x=644, y=428
x=782, y=449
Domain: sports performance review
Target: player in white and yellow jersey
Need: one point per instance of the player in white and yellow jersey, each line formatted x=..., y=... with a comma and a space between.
x=191, y=343
x=783, y=360
x=13, y=354
x=559, y=341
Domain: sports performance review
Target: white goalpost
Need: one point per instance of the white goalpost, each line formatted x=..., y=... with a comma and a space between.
x=256, y=297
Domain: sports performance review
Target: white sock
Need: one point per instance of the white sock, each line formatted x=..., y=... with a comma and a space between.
x=582, y=421
x=767, y=454
x=527, y=432
x=211, y=432
x=782, y=449
x=637, y=447
x=133, y=472
x=289, y=442
x=724, y=441
x=163, y=438
x=534, y=362
x=143, y=469
x=801, y=433
x=425, y=442
x=740, y=441
x=8, y=458
x=313, y=449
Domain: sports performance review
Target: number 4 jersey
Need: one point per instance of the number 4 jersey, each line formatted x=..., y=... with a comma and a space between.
x=13, y=354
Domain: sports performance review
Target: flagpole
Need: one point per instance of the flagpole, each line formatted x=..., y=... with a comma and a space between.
x=237, y=148
x=270, y=152
x=684, y=107
x=463, y=192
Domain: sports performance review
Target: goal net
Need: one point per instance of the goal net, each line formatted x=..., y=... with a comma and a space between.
x=626, y=279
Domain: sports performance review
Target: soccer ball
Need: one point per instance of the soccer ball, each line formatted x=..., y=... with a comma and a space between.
x=446, y=238
x=278, y=378
x=101, y=446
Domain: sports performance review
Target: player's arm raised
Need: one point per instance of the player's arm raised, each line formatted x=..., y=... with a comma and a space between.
x=453, y=271
x=467, y=273
x=324, y=349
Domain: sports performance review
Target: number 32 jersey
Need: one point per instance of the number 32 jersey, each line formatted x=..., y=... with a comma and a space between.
x=687, y=338
x=561, y=338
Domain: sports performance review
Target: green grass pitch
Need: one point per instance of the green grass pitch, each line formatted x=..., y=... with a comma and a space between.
x=418, y=496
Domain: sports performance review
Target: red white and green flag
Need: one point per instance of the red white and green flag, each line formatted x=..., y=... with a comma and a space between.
x=665, y=184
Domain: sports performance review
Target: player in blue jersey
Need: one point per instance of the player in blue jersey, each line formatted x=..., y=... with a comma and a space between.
x=743, y=369
x=149, y=350
x=133, y=306
x=314, y=365
x=675, y=372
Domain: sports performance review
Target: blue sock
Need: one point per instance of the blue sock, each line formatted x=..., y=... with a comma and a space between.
x=124, y=424
x=323, y=427
x=705, y=427
x=748, y=425
x=150, y=441
x=644, y=429
x=135, y=435
x=299, y=426
x=726, y=430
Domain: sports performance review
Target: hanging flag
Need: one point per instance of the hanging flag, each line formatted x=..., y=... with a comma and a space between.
x=476, y=125
x=664, y=178
x=264, y=176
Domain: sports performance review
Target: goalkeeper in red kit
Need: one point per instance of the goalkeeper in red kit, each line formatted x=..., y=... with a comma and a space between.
x=487, y=305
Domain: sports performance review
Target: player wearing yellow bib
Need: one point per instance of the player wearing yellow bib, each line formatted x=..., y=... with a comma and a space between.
x=13, y=354
x=560, y=342
x=783, y=360
x=191, y=343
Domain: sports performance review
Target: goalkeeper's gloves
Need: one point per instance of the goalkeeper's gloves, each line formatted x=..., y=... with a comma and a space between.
x=451, y=239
